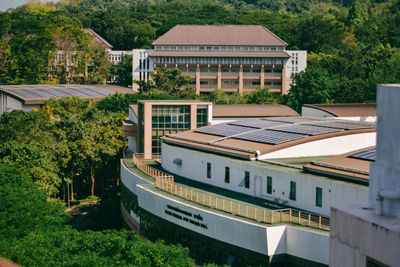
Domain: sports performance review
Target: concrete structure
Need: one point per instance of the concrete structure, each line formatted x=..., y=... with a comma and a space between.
x=27, y=97
x=116, y=56
x=355, y=112
x=369, y=235
x=235, y=58
x=251, y=201
x=149, y=120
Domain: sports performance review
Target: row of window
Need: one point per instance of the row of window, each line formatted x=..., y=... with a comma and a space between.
x=218, y=48
x=246, y=183
x=219, y=60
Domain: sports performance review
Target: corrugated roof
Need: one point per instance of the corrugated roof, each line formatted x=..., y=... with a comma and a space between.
x=346, y=110
x=249, y=35
x=98, y=38
x=38, y=93
x=219, y=54
x=222, y=111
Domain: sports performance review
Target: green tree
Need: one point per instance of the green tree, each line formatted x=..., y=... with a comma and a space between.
x=262, y=96
x=170, y=80
x=122, y=72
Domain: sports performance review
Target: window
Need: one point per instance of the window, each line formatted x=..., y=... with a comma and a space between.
x=269, y=185
x=318, y=197
x=227, y=176
x=208, y=170
x=292, y=194
x=247, y=179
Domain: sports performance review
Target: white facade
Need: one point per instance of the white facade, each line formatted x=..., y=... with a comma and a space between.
x=274, y=240
x=194, y=167
x=296, y=63
x=141, y=66
x=116, y=56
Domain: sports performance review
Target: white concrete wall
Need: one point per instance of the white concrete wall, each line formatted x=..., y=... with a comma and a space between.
x=385, y=171
x=297, y=63
x=326, y=147
x=141, y=55
x=130, y=179
x=132, y=116
x=194, y=166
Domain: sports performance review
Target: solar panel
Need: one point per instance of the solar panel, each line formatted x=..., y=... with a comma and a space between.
x=256, y=123
x=269, y=137
x=224, y=130
x=369, y=154
x=341, y=125
x=305, y=129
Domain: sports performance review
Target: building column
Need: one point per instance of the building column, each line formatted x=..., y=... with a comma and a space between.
x=147, y=131
x=283, y=91
x=197, y=79
x=193, y=116
x=219, y=78
x=241, y=80
x=262, y=77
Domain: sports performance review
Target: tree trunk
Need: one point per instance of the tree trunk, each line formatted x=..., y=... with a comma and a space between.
x=72, y=185
x=93, y=179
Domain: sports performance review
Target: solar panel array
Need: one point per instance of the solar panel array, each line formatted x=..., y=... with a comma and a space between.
x=369, y=154
x=278, y=130
x=269, y=137
x=47, y=91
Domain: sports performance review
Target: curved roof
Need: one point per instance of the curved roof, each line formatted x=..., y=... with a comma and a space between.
x=346, y=110
x=349, y=166
x=38, y=93
x=246, y=35
x=226, y=111
x=251, y=138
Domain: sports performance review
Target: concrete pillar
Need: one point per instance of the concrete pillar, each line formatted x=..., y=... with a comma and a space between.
x=219, y=77
x=241, y=80
x=147, y=146
x=198, y=79
x=262, y=76
x=193, y=116
x=283, y=91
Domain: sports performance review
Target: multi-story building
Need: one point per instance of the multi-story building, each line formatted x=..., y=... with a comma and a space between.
x=235, y=58
x=250, y=192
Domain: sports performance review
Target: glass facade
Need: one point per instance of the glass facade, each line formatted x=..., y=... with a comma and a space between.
x=202, y=116
x=318, y=197
x=227, y=175
x=167, y=119
x=292, y=194
x=208, y=170
x=269, y=185
x=247, y=179
x=141, y=127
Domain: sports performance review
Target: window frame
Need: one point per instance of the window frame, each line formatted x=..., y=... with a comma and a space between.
x=292, y=192
x=227, y=175
x=318, y=197
x=209, y=170
x=269, y=185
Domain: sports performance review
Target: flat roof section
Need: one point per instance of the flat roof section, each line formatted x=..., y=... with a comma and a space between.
x=346, y=110
x=39, y=93
x=345, y=166
x=259, y=138
x=237, y=111
x=248, y=35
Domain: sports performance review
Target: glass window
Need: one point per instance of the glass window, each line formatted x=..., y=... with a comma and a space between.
x=208, y=170
x=269, y=185
x=318, y=197
x=247, y=179
x=292, y=194
x=227, y=175
x=202, y=116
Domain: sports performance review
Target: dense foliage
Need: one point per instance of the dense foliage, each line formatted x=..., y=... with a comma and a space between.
x=35, y=232
x=354, y=41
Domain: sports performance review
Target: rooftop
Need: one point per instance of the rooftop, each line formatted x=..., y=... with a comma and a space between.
x=220, y=111
x=39, y=93
x=248, y=35
x=97, y=38
x=253, y=137
x=346, y=110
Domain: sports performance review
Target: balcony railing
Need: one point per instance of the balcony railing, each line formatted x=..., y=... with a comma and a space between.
x=166, y=183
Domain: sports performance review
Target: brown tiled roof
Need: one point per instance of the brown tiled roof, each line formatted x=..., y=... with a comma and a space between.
x=39, y=93
x=249, y=35
x=97, y=38
x=220, y=111
x=346, y=110
x=219, y=54
x=342, y=166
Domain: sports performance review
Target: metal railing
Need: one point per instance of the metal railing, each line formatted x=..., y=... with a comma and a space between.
x=166, y=183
